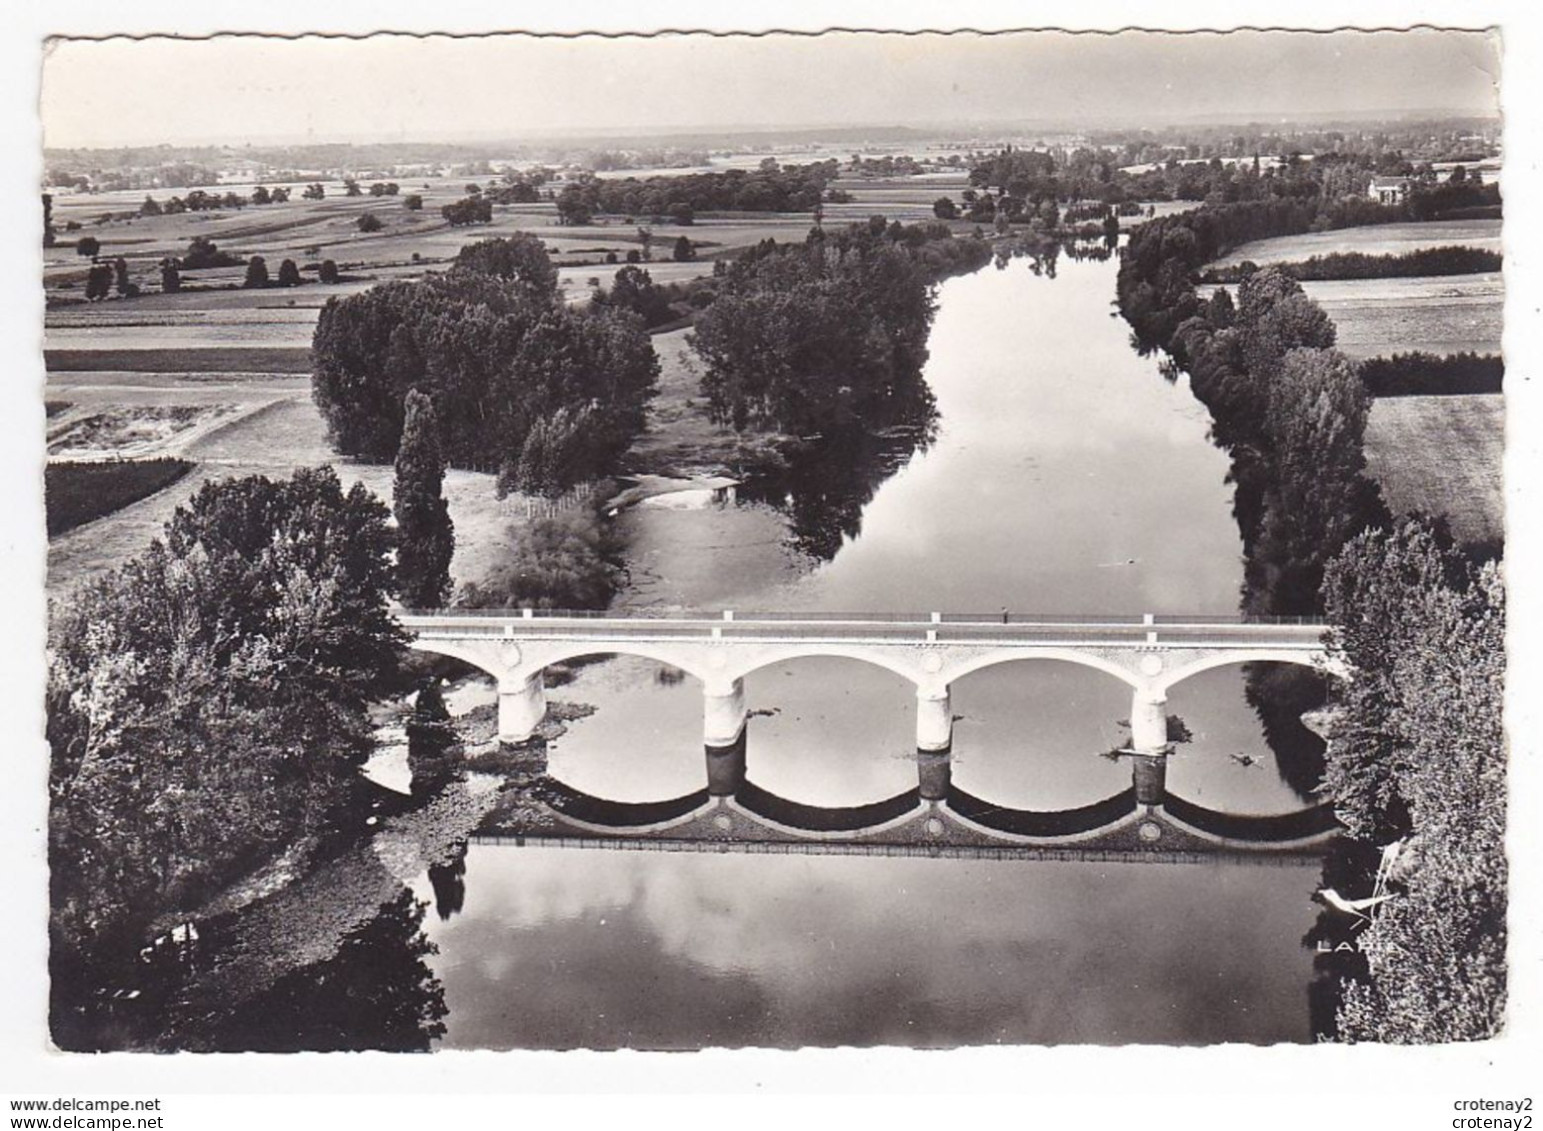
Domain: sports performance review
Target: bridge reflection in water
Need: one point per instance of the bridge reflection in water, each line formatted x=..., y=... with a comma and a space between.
x=1149, y=653
x=1142, y=823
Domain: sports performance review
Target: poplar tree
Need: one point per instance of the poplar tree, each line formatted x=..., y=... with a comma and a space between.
x=426, y=536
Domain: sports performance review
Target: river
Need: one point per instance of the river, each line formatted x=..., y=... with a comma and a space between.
x=1064, y=475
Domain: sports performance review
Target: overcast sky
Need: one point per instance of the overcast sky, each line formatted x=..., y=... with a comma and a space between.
x=234, y=89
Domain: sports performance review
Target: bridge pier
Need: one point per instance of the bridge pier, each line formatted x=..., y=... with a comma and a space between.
x=1148, y=722
x=934, y=773
x=521, y=707
x=726, y=768
x=1149, y=775
x=934, y=719
x=723, y=713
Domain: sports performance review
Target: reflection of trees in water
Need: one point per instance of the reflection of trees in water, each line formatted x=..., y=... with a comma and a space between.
x=1349, y=867
x=1279, y=695
x=377, y=992
x=1043, y=252
x=433, y=750
x=448, y=880
x=826, y=483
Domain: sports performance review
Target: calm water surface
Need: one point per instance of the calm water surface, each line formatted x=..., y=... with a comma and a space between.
x=1065, y=476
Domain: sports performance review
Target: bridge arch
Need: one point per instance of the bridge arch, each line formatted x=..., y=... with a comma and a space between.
x=906, y=667
x=540, y=657
x=468, y=652
x=1317, y=660
x=997, y=658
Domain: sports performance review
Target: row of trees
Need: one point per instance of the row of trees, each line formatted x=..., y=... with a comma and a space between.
x=1332, y=176
x=1417, y=754
x=1419, y=374
x=544, y=394
x=1290, y=409
x=1425, y=261
x=771, y=188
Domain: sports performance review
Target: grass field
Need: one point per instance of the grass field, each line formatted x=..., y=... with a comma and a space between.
x=1377, y=239
x=1441, y=315
x=1442, y=456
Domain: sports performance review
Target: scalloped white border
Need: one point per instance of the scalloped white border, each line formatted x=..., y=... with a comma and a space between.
x=1373, y=1087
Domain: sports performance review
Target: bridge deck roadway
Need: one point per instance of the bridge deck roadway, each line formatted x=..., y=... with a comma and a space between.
x=1176, y=632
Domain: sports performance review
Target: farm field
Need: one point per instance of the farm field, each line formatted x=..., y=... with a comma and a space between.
x=273, y=439
x=218, y=374
x=1377, y=239
x=1440, y=315
x=1442, y=456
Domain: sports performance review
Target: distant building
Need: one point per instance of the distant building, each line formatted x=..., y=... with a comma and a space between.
x=1389, y=190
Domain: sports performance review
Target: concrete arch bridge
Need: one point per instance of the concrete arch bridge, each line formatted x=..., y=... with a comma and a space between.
x=1149, y=653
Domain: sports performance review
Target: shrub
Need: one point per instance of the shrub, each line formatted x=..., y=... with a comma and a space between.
x=568, y=561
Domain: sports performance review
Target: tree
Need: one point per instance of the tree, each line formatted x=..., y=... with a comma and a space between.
x=351, y=187
x=573, y=208
x=328, y=272
x=99, y=280
x=171, y=278
x=49, y=233
x=413, y=202
x=204, y=252
x=684, y=251
x=242, y=648
x=88, y=246
x=945, y=209
x=425, y=534
x=289, y=274
x=470, y=210
x=121, y=276
x=828, y=337
x=646, y=238
x=633, y=289
x=256, y=272
x=150, y=207
x=520, y=258
x=369, y=222
x=1418, y=754
x=495, y=356
x=313, y=191
x=260, y=195
x=1317, y=497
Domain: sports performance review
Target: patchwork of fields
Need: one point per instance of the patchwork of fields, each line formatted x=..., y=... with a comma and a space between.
x=218, y=374
x=1437, y=455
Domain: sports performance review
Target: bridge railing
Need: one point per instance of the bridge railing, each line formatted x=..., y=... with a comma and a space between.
x=737, y=619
